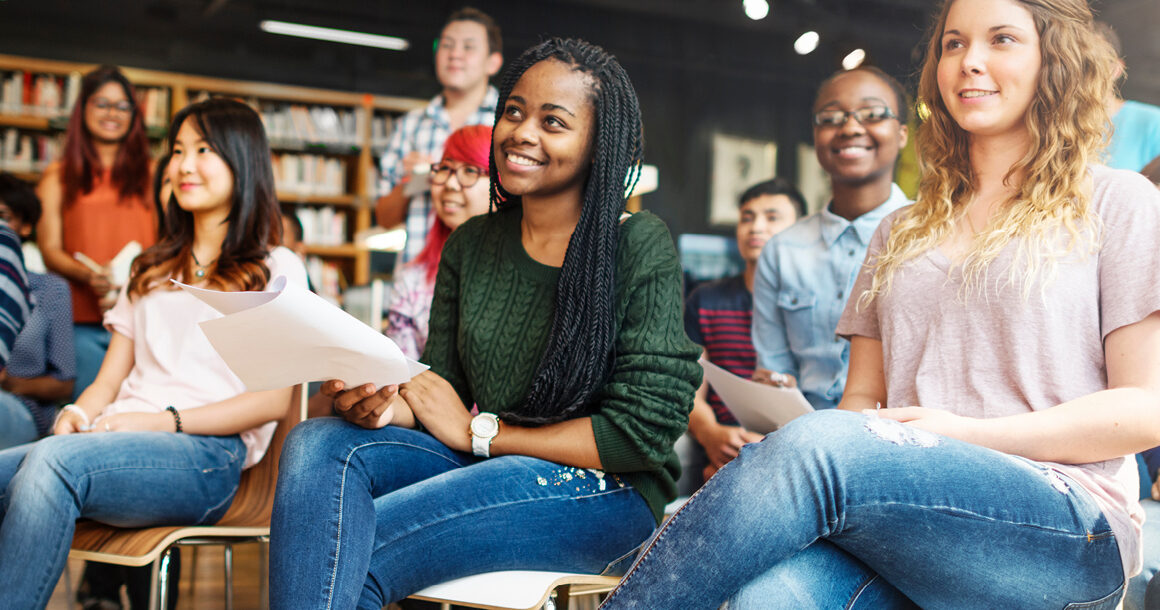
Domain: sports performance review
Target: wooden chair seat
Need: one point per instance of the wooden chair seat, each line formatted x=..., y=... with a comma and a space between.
x=247, y=519
x=516, y=589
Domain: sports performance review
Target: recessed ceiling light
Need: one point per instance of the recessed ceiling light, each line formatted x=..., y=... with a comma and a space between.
x=334, y=35
x=854, y=59
x=806, y=43
x=756, y=9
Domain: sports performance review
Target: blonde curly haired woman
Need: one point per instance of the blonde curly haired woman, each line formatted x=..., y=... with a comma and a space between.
x=1005, y=357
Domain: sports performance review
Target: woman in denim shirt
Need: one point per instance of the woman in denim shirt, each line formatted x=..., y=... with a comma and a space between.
x=805, y=273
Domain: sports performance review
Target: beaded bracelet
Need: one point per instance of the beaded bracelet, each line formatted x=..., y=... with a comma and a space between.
x=176, y=417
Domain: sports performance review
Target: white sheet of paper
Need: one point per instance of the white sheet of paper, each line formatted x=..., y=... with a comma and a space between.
x=123, y=262
x=758, y=407
x=287, y=335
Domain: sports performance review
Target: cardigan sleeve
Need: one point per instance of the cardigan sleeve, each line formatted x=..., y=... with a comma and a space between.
x=644, y=406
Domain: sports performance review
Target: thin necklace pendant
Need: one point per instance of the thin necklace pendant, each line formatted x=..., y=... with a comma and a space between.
x=199, y=272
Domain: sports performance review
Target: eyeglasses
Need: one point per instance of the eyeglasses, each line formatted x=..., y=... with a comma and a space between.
x=121, y=107
x=467, y=175
x=866, y=116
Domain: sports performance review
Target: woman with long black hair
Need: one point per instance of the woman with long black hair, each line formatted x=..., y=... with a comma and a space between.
x=162, y=435
x=560, y=320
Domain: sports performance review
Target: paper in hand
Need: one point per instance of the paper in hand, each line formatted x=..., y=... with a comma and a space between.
x=758, y=407
x=287, y=335
x=121, y=264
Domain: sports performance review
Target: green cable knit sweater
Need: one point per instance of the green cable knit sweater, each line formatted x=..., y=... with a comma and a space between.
x=490, y=320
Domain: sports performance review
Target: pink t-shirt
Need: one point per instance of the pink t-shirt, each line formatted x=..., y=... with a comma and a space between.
x=995, y=354
x=176, y=365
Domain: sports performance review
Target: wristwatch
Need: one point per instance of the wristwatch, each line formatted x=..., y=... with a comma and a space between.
x=484, y=427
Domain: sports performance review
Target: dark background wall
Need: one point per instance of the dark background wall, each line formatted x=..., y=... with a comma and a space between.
x=699, y=66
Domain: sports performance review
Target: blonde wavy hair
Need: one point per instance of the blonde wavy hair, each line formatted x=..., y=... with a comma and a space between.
x=1069, y=126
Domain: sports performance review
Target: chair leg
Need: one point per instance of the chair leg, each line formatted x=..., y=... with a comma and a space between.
x=192, y=571
x=229, y=567
x=159, y=589
x=563, y=597
x=264, y=572
x=69, y=593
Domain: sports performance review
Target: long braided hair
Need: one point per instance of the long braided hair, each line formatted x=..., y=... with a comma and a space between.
x=579, y=353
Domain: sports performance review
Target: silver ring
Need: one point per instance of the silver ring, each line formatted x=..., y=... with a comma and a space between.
x=106, y=426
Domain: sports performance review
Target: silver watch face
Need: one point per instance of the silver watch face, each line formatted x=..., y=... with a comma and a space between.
x=484, y=426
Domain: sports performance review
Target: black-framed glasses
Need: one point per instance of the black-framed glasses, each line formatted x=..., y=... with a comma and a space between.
x=467, y=175
x=104, y=105
x=867, y=116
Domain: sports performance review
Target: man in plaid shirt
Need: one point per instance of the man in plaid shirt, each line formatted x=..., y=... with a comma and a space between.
x=468, y=54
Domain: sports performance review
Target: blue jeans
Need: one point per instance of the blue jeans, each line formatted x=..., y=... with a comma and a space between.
x=366, y=517
x=16, y=424
x=1134, y=599
x=837, y=506
x=91, y=342
x=126, y=479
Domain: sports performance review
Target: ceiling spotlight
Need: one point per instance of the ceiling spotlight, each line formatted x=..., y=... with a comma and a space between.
x=756, y=9
x=806, y=43
x=333, y=35
x=854, y=59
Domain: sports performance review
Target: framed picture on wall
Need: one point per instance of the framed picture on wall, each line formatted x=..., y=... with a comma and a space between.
x=813, y=181
x=738, y=163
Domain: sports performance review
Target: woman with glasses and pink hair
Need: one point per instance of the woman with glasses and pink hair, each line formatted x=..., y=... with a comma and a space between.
x=459, y=190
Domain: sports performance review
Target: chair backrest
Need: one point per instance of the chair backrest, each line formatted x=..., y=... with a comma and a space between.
x=254, y=500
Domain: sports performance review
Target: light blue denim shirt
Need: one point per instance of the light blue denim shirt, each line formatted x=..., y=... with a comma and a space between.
x=804, y=277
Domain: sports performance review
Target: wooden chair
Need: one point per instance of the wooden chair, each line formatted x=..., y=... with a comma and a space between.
x=247, y=520
x=517, y=590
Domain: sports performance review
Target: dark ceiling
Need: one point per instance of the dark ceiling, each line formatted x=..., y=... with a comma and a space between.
x=220, y=37
x=700, y=67
x=201, y=35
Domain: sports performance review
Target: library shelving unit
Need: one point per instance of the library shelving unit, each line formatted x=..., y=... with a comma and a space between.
x=322, y=143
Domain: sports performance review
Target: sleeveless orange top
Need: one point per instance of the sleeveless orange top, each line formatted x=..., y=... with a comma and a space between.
x=99, y=223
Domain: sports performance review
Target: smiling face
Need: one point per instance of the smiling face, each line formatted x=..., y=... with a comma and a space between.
x=761, y=218
x=543, y=140
x=463, y=60
x=202, y=181
x=989, y=69
x=455, y=203
x=853, y=152
x=109, y=113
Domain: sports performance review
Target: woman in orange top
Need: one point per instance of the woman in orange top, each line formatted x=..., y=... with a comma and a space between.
x=95, y=201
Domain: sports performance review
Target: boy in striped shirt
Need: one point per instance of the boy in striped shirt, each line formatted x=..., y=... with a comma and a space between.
x=718, y=317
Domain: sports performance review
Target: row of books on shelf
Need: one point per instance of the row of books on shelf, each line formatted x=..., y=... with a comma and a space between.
x=325, y=278
x=38, y=94
x=53, y=96
x=26, y=152
x=322, y=226
x=292, y=125
x=381, y=127
x=309, y=174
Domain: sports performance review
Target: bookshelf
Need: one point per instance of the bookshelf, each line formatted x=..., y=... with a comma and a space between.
x=324, y=143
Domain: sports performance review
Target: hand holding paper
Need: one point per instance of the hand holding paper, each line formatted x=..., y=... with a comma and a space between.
x=287, y=335
x=758, y=407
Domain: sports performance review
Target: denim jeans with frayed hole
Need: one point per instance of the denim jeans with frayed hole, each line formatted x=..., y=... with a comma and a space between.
x=366, y=517
x=125, y=479
x=844, y=510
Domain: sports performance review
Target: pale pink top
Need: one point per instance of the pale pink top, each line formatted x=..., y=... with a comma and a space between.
x=997, y=354
x=175, y=364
